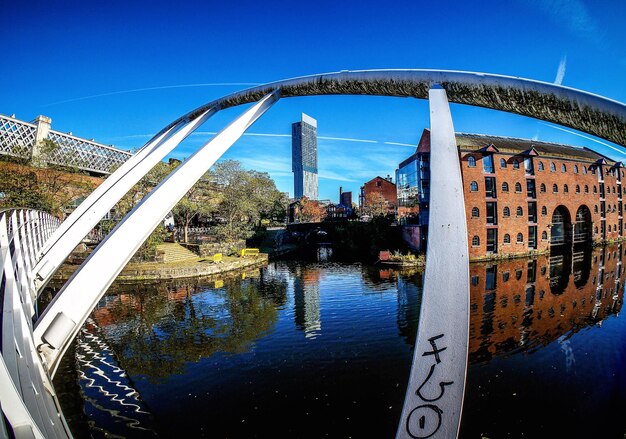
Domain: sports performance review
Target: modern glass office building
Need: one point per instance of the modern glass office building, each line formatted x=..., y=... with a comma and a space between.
x=304, y=157
x=407, y=185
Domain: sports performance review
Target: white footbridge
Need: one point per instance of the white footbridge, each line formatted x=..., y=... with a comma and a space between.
x=33, y=244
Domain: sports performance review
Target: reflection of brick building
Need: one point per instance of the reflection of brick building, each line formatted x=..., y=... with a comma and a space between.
x=523, y=196
x=379, y=189
x=522, y=302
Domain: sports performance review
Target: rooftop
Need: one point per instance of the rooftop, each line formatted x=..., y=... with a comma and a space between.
x=514, y=145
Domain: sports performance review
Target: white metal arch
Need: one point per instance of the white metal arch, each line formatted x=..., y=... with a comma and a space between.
x=435, y=392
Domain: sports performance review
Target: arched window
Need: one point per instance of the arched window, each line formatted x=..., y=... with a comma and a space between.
x=592, y=169
x=506, y=212
x=563, y=168
x=544, y=235
x=507, y=238
x=565, y=188
x=518, y=187
x=555, y=188
x=505, y=187
x=540, y=166
x=584, y=169
x=475, y=241
x=520, y=237
x=475, y=212
x=502, y=163
x=575, y=169
x=471, y=161
x=544, y=210
x=595, y=189
x=586, y=189
x=515, y=164
x=595, y=230
x=595, y=209
x=552, y=167
x=542, y=188
x=577, y=189
x=474, y=186
x=520, y=211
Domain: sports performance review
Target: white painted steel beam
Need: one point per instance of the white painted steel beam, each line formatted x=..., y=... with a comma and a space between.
x=103, y=198
x=562, y=105
x=72, y=305
x=434, y=397
x=14, y=408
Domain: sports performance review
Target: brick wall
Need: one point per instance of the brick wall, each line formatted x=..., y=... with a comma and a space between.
x=565, y=195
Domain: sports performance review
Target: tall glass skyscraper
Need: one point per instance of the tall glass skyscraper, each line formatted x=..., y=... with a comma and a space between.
x=304, y=157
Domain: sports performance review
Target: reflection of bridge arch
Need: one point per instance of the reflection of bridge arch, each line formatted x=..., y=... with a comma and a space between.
x=583, y=225
x=561, y=227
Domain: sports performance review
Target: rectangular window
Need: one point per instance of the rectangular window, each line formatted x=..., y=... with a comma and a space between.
x=528, y=166
x=490, y=187
x=492, y=241
x=601, y=190
x=603, y=208
x=488, y=164
x=532, y=212
x=532, y=237
x=530, y=188
x=492, y=213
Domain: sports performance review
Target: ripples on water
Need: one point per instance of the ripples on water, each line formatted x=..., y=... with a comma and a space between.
x=324, y=350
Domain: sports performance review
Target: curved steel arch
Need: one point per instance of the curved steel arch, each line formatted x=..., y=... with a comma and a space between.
x=574, y=108
x=583, y=111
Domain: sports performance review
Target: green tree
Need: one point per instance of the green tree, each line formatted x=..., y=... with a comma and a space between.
x=246, y=198
x=201, y=200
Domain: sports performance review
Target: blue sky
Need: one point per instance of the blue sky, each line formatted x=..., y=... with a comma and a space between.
x=118, y=71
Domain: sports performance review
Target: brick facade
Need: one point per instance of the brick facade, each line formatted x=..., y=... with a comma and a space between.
x=379, y=185
x=566, y=181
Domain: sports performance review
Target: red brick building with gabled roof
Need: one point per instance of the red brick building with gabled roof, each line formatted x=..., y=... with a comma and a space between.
x=526, y=196
x=384, y=187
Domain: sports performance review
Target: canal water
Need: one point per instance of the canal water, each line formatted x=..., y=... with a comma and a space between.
x=324, y=349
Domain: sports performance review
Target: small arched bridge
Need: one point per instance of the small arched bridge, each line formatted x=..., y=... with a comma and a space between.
x=34, y=245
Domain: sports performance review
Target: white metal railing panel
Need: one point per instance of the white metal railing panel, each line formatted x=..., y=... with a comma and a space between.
x=27, y=399
x=16, y=137
x=84, y=154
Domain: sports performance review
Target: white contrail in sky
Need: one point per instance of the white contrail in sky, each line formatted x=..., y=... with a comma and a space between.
x=164, y=87
x=584, y=137
x=560, y=73
x=211, y=133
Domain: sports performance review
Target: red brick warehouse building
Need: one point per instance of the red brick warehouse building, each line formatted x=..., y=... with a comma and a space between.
x=379, y=191
x=525, y=196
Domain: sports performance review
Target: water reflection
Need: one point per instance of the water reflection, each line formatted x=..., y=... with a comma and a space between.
x=157, y=329
x=546, y=338
x=223, y=357
x=306, y=290
x=520, y=303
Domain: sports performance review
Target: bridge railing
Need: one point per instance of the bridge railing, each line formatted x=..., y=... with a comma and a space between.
x=16, y=137
x=27, y=398
x=84, y=154
x=19, y=139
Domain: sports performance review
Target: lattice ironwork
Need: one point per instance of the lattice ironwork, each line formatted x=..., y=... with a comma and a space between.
x=16, y=137
x=84, y=154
